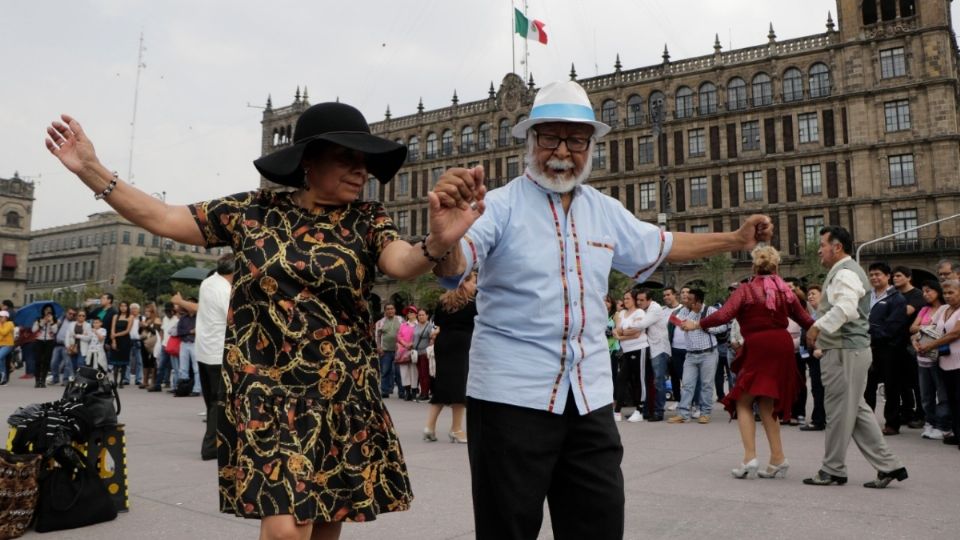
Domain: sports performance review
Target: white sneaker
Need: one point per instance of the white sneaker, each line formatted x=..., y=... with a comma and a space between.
x=926, y=431
x=934, y=434
x=635, y=417
x=672, y=406
x=696, y=413
x=617, y=417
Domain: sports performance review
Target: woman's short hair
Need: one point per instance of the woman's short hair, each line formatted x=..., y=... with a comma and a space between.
x=951, y=283
x=766, y=259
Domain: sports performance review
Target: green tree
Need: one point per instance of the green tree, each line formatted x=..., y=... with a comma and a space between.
x=810, y=268
x=617, y=284
x=424, y=291
x=151, y=275
x=717, y=272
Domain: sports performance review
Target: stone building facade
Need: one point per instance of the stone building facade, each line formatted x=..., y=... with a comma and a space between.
x=855, y=126
x=97, y=251
x=16, y=211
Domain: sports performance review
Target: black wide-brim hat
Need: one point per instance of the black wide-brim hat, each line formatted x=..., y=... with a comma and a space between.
x=336, y=123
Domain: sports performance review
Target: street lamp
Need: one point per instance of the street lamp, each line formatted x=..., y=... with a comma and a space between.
x=658, y=115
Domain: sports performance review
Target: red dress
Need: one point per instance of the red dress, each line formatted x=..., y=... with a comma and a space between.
x=766, y=364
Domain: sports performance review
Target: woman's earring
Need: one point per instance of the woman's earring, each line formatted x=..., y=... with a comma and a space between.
x=306, y=182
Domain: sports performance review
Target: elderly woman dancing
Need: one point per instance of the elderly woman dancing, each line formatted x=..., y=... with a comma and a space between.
x=765, y=365
x=306, y=442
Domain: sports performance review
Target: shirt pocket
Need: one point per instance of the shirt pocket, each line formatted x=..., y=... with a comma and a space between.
x=597, y=261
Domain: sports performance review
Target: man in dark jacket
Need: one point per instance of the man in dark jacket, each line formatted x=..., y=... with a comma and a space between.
x=888, y=317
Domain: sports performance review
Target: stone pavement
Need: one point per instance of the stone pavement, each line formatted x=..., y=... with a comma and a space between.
x=677, y=477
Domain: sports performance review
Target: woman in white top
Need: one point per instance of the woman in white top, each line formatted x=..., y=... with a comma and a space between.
x=948, y=323
x=77, y=340
x=634, y=346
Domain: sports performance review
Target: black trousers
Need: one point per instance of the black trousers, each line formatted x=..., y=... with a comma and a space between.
x=629, y=385
x=886, y=369
x=211, y=387
x=951, y=380
x=800, y=400
x=521, y=456
x=677, y=357
x=819, y=416
x=44, y=352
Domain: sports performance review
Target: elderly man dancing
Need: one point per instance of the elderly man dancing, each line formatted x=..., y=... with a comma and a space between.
x=539, y=414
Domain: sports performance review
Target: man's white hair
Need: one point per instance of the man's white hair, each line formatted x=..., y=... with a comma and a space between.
x=556, y=185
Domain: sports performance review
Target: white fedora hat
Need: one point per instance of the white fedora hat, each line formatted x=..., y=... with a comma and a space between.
x=564, y=101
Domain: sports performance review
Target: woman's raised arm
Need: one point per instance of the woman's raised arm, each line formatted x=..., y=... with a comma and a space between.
x=69, y=143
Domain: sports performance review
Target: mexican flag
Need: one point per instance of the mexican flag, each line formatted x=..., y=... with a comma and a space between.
x=532, y=30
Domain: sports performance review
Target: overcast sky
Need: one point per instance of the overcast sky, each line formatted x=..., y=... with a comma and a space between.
x=211, y=63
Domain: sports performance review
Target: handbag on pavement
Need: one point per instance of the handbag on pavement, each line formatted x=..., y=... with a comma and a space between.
x=72, y=495
x=99, y=396
x=19, y=490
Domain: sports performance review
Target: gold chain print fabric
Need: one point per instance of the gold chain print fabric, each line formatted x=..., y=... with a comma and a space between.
x=304, y=431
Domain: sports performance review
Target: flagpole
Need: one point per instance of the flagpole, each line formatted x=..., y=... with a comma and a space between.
x=526, y=52
x=513, y=38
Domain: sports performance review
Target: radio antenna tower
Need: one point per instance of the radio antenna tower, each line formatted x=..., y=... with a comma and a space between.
x=136, y=94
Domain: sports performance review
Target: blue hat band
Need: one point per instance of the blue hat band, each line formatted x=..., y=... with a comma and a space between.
x=563, y=110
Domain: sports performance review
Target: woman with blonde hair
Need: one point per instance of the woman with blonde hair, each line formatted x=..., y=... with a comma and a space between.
x=765, y=365
x=454, y=320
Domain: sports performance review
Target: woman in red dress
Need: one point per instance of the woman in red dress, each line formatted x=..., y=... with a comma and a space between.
x=765, y=365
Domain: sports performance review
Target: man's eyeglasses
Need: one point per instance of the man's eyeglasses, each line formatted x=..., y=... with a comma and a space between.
x=552, y=142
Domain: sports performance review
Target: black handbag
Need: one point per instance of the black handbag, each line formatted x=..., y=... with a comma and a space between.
x=99, y=396
x=72, y=495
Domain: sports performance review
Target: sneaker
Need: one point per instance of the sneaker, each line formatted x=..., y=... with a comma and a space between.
x=678, y=420
x=934, y=434
x=635, y=417
x=672, y=406
x=696, y=413
x=617, y=417
x=801, y=420
x=926, y=431
x=704, y=419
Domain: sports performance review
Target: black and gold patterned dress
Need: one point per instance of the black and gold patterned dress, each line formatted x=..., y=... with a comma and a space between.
x=305, y=430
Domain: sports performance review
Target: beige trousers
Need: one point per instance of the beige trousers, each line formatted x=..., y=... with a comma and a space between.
x=844, y=374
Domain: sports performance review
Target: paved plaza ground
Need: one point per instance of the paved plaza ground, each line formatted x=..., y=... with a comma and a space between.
x=678, y=483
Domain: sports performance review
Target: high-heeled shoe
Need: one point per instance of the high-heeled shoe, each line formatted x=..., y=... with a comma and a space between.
x=774, y=471
x=429, y=436
x=458, y=437
x=746, y=470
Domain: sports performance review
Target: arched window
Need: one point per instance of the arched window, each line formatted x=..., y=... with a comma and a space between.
x=792, y=85
x=608, y=113
x=431, y=145
x=658, y=106
x=634, y=110
x=446, y=142
x=503, y=133
x=13, y=219
x=819, y=80
x=276, y=137
x=736, y=94
x=483, y=136
x=708, y=98
x=684, y=102
x=413, y=148
x=467, y=142
x=762, y=90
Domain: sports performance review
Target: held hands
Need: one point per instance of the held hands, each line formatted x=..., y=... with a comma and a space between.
x=689, y=325
x=456, y=202
x=757, y=228
x=812, y=334
x=67, y=141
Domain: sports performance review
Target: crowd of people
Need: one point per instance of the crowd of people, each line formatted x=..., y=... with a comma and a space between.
x=305, y=370
x=766, y=361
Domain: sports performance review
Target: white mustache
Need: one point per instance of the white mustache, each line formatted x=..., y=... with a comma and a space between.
x=560, y=164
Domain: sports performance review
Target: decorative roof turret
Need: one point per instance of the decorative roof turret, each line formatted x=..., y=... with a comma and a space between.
x=617, y=65
x=666, y=54
x=573, y=72
x=830, y=26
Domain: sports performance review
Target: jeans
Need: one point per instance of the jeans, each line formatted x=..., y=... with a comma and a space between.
x=4, y=354
x=166, y=367
x=676, y=372
x=387, y=373
x=933, y=398
x=661, y=363
x=188, y=361
x=698, y=367
x=136, y=361
x=28, y=352
x=60, y=360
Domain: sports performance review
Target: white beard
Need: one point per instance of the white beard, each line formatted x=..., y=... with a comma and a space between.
x=562, y=177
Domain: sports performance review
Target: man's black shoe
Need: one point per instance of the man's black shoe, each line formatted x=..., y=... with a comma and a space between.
x=915, y=424
x=194, y=394
x=655, y=418
x=812, y=427
x=823, y=478
x=884, y=478
x=951, y=440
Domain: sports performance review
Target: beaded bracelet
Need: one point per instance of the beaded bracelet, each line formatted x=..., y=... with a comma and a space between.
x=431, y=258
x=103, y=194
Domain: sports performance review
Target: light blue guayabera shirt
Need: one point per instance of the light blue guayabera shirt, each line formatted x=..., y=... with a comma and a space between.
x=542, y=280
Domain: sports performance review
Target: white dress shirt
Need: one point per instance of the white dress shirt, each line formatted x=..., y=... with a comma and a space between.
x=212, y=308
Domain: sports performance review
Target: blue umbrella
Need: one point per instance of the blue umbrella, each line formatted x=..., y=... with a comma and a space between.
x=28, y=314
